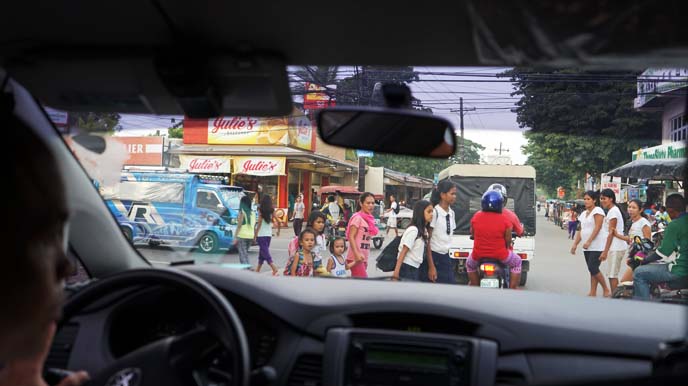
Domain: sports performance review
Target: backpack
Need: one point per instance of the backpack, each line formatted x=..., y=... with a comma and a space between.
x=293, y=247
x=397, y=209
x=387, y=260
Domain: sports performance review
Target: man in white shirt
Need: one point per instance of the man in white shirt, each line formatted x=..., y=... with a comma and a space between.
x=392, y=219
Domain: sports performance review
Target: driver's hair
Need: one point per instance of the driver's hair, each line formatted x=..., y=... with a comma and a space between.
x=35, y=219
x=676, y=202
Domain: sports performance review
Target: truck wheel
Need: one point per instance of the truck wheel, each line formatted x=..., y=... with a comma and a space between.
x=377, y=243
x=524, y=278
x=208, y=243
x=127, y=234
x=404, y=223
x=461, y=278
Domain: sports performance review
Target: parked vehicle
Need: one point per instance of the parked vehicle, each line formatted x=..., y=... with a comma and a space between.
x=176, y=209
x=472, y=181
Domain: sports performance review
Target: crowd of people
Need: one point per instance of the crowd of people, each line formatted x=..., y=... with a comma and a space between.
x=607, y=237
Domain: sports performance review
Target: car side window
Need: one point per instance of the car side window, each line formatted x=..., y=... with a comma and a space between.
x=207, y=200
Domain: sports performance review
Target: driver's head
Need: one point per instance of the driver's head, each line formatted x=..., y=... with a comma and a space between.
x=32, y=275
x=330, y=198
x=675, y=205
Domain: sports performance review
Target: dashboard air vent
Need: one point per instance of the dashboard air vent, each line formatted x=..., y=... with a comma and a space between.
x=307, y=371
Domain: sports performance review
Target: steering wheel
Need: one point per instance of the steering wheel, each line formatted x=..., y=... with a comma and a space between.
x=169, y=361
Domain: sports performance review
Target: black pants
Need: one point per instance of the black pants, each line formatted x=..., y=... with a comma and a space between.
x=298, y=223
x=592, y=259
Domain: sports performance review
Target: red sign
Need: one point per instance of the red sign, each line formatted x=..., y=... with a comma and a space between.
x=259, y=166
x=143, y=151
x=203, y=164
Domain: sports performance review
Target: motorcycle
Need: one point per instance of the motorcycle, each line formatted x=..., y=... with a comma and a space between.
x=668, y=292
x=658, y=231
x=332, y=231
x=493, y=274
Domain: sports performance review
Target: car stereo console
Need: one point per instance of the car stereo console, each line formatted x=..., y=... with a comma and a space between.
x=369, y=357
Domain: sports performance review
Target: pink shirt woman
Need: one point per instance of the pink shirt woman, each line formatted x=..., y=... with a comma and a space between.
x=360, y=230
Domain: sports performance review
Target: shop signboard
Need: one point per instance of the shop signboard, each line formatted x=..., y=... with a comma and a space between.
x=295, y=130
x=316, y=97
x=205, y=164
x=674, y=150
x=142, y=151
x=613, y=183
x=59, y=118
x=259, y=166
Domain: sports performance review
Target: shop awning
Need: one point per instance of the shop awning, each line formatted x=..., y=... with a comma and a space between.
x=651, y=169
x=308, y=160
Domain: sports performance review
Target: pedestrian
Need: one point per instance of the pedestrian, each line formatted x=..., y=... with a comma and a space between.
x=392, y=212
x=297, y=215
x=594, y=234
x=302, y=262
x=277, y=220
x=316, y=223
x=263, y=234
x=573, y=222
x=615, y=248
x=640, y=227
x=438, y=265
x=413, y=243
x=245, y=231
x=33, y=273
x=359, y=232
x=337, y=265
x=547, y=211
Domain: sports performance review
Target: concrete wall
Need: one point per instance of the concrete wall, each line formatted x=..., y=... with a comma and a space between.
x=335, y=152
x=676, y=107
x=374, y=180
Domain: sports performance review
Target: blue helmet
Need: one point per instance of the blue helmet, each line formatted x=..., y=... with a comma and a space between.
x=492, y=201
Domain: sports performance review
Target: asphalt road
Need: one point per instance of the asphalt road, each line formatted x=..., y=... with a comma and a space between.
x=554, y=269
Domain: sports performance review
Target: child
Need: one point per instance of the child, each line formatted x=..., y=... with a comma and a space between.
x=337, y=265
x=316, y=222
x=302, y=264
x=263, y=234
x=413, y=242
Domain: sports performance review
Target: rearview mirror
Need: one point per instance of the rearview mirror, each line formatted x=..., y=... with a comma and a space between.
x=94, y=143
x=387, y=130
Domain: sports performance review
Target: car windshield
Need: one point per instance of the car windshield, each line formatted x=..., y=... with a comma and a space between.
x=548, y=137
x=232, y=197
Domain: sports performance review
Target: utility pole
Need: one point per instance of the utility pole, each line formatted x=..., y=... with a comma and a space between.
x=461, y=112
x=361, y=160
x=501, y=149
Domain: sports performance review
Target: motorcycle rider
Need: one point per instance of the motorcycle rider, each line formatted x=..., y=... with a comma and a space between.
x=675, y=240
x=507, y=213
x=491, y=232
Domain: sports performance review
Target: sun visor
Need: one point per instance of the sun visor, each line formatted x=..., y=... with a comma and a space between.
x=174, y=83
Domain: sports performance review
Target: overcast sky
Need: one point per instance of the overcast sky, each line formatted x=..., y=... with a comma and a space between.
x=490, y=124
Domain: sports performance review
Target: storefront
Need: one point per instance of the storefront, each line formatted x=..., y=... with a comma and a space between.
x=275, y=155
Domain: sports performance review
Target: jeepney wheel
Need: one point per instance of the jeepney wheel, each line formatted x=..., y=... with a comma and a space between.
x=207, y=243
x=404, y=223
x=524, y=278
x=377, y=243
x=128, y=234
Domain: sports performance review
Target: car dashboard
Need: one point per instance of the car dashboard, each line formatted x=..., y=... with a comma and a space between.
x=352, y=332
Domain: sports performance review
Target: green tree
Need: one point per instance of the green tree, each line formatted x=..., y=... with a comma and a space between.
x=176, y=130
x=358, y=88
x=426, y=167
x=95, y=122
x=580, y=122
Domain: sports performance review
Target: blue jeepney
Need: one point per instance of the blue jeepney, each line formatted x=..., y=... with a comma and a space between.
x=175, y=209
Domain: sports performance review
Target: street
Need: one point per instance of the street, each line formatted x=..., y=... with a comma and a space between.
x=554, y=269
